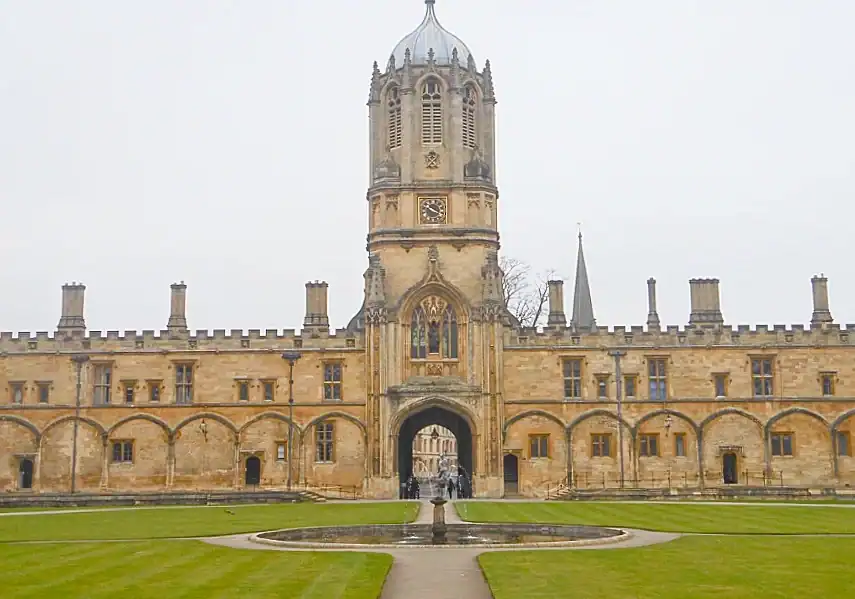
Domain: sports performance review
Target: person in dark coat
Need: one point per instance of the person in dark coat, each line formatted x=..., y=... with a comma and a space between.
x=416, y=489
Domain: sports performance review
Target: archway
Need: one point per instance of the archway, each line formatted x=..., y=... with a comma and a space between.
x=440, y=418
x=729, y=472
x=25, y=474
x=253, y=471
x=511, y=466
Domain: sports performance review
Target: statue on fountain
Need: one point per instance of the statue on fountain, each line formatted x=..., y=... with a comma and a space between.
x=443, y=476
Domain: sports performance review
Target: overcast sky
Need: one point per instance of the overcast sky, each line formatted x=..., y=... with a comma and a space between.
x=225, y=143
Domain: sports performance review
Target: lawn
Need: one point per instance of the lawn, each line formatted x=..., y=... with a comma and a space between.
x=749, y=518
x=185, y=569
x=156, y=523
x=695, y=567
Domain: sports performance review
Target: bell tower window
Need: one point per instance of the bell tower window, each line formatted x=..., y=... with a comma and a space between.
x=431, y=112
x=469, y=97
x=433, y=330
x=393, y=107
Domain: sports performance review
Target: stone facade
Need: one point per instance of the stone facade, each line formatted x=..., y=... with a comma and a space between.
x=433, y=344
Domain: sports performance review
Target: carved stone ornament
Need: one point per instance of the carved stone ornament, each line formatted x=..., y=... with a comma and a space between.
x=434, y=369
x=432, y=160
x=387, y=168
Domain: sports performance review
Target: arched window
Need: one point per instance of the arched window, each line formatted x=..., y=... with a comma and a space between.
x=393, y=107
x=469, y=97
x=431, y=112
x=434, y=334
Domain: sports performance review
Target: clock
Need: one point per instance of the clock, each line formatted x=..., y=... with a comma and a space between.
x=432, y=211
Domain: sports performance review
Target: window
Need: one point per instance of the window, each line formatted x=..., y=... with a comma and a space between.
x=538, y=446
x=123, y=452
x=469, y=103
x=183, y=383
x=601, y=445
x=680, y=445
x=629, y=385
x=720, y=381
x=102, y=384
x=648, y=445
x=332, y=381
x=44, y=392
x=657, y=378
x=436, y=335
x=761, y=377
x=431, y=112
x=827, y=380
x=573, y=379
x=393, y=107
x=281, y=451
x=154, y=391
x=18, y=393
x=269, y=390
x=324, y=442
x=782, y=444
x=128, y=390
x=243, y=390
x=843, y=447
x=602, y=386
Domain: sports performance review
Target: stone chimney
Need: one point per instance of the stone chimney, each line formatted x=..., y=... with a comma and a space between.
x=71, y=320
x=316, y=305
x=652, y=314
x=821, y=312
x=177, y=323
x=556, y=304
x=706, y=306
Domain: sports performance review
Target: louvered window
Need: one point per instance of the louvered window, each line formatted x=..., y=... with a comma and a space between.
x=431, y=113
x=469, y=97
x=394, y=118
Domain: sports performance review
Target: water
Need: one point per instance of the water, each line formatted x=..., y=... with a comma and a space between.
x=456, y=534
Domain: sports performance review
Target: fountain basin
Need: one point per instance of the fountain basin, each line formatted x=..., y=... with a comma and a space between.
x=398, y=536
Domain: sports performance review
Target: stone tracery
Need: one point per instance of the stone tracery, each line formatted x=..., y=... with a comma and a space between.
x=433, y=329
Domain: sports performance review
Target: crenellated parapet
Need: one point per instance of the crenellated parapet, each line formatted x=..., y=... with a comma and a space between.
x=760, y=335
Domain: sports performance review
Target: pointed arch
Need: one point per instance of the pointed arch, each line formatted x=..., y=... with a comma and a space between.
x=207, y=416
x=23, y=422
x=270, y=416
x=531, y=414
x=837, y=422
x=337, y=414
x=432, y=401
x=598, y=412
x=666, y=412
x=790, y=412
x=724, y=412
x=430, y=94
x=148, y=417
x=93, y=423
x=433, y=284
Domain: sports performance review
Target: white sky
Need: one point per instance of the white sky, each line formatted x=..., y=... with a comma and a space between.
x=225, y=143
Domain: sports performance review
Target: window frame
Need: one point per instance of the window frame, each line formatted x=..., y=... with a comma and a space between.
x=601, y=445
x=782, y=437
x=184, y=384
x=469, y=117
x=680, y=446
x=331, y=385
x=283, y=446
x=268, y=385
x=602, y=381
x=723, y=379
x=845, y=449
x=155, y=390
x=102, y=383
x=538, y=443
x=431, y=102
x=242, y=389
x=125, y=447
x=829, y=379
x=764, y=380
x=644, y=445
x=129, y=388
x=17, y=390
x=630, y=378
x=573, y=381
x=43, y=389
x=325, y=442
x=394, y=120
x=657, y=378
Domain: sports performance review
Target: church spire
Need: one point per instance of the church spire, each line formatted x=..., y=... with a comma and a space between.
x=583, y=308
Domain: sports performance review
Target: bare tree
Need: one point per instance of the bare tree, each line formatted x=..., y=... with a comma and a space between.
x=526, y=293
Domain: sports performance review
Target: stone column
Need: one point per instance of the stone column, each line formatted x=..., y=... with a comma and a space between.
x=652, y=314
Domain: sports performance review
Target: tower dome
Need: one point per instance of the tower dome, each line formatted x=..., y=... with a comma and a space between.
x=430, y=35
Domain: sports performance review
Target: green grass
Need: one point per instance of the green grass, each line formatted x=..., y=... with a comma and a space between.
x=197, y=521
x=691, y=567
x=670, y=517
x=185, y=570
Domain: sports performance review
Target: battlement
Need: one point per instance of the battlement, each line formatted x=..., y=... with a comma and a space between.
x=690, y=335
x=165, y=340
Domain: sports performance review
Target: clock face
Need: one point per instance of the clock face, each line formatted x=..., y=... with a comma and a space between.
x=432, y=211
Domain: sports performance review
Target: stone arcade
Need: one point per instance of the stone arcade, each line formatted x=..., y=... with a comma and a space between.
x=703, y=405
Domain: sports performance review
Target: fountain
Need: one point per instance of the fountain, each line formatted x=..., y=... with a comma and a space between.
x=438, y=528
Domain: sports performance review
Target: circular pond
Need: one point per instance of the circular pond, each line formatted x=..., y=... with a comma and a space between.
x=456, y=535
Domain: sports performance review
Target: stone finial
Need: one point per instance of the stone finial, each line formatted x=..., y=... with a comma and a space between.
x=556, y=303
x=390, y=66
x=477, y=167
x=374, y=90
x=71, y=318
x=470, y=64
x=177, y=322
x=706, y=304
x=491, y=277
x=821, y=310
x=652, y=314
x=316, y=305
x=489, y=91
